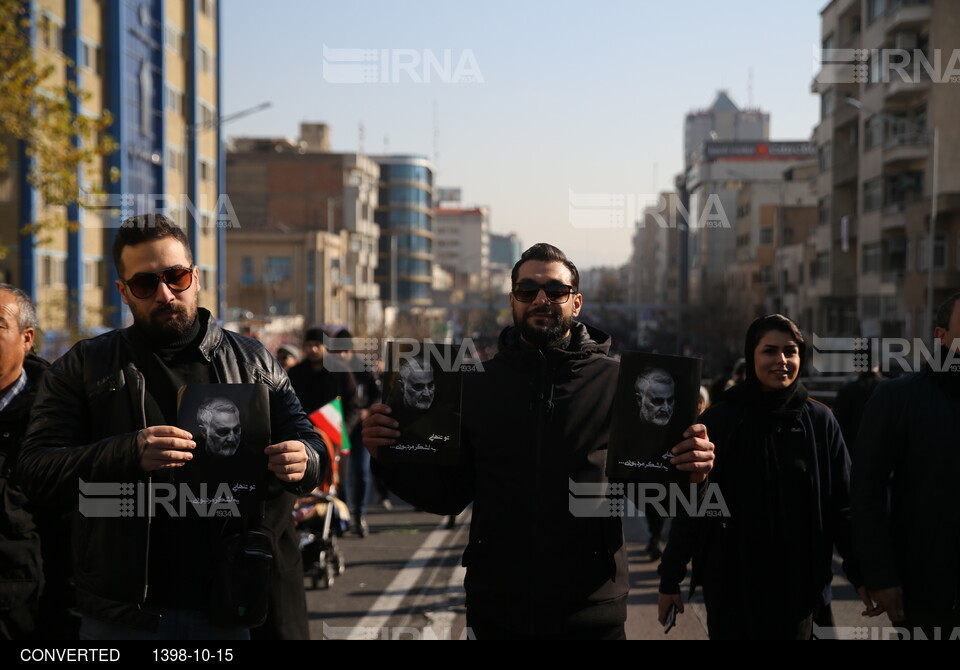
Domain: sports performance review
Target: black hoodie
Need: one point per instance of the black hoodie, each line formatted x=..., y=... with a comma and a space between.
x=533, y=420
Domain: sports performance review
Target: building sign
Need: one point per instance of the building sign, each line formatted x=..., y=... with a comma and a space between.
x=448, y=194
x=758, y=150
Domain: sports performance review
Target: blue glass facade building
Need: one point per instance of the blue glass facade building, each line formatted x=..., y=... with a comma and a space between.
x=405, y=216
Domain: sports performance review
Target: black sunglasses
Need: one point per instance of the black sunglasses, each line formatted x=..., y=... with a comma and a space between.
x=144, y=285
x=527, y=291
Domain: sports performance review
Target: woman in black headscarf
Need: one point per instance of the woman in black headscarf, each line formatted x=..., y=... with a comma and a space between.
x=783, y=471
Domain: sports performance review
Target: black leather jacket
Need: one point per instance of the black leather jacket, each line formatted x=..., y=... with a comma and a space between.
x=84, y=426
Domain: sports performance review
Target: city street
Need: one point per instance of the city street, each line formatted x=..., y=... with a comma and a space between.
x=404, y=581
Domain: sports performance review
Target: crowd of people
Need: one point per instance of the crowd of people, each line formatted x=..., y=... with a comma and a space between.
x=103, y=420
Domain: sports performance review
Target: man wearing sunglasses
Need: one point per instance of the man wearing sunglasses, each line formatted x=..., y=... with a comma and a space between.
x=535, y=420
x=106, y=413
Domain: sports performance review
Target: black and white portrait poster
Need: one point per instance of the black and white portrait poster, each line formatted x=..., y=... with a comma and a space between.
x=656, y=400
x=423, y=382
x=231, y=425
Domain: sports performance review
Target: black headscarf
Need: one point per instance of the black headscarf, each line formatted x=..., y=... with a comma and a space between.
x=792, y=397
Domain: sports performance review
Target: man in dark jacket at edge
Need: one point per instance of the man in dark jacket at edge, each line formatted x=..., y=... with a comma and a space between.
x=534, y=419
x=903, y=491
x=106, y=412
x=34, y=542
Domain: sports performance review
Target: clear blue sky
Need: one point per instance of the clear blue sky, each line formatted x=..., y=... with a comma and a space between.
x=588, y=97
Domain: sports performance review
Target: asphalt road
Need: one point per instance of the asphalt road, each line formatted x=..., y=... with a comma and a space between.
x=404, y=581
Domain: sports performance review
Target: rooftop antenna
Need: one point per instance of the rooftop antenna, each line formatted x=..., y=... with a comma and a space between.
x=386, y=145
x=360, y=137
x=436, y=134
x=750, y=87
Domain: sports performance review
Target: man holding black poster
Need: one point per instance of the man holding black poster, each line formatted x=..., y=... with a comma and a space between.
x=105, y=416
x=535, y=419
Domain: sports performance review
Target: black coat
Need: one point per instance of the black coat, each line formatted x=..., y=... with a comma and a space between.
x=731, y=563
x=532, y=422
x=84, y=426
x=904, y=490
x=21, y=572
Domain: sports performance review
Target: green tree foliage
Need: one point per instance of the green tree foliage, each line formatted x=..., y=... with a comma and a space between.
x=36, y=110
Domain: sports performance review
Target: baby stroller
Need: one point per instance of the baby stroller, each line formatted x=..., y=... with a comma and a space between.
x=320, y=518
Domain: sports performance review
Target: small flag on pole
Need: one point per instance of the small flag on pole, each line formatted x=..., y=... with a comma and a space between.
x=329, y=419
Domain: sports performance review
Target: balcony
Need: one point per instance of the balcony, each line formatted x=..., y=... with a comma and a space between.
x=908, y=83
x=894, y=216
x=844, y=114
x=846, y=169
x=906, y=147
x=904, y=14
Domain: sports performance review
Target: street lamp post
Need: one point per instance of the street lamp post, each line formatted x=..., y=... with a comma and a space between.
x=192, y=131
x=931, y=243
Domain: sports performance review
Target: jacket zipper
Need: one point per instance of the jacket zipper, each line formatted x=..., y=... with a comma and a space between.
x=142, y=391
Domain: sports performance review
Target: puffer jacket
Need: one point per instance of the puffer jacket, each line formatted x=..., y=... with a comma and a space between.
x=533, y=422
x=84, y=426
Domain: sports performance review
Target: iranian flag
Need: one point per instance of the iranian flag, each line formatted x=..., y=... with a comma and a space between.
x=329, y=419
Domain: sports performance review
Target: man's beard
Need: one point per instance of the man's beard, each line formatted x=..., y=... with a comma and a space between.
x=167, y=329
x=549, y=335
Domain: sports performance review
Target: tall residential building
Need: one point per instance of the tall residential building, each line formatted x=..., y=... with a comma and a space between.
x=770, y=214
x=720, y=170
x=306, y=237
x=722, y=121
x=405, y=216
x=156, y=67
x=881, y=109
x=462, y=247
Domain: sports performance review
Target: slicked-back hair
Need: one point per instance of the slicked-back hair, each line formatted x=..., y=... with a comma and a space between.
x=547, y=253
x=147, y=228
x=28, y=313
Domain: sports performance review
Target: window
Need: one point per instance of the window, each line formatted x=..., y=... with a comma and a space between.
x=873, y=135
x=280, y=308
x=277, y=268
x=870, y=307
x=766, y=236
x=207, y=116
x=823, y=211
x=875, y=68
x=206, y=7
x=939, y=253
x=766, y=275
x=206, y=62
x=826, y=104
x=825, y=156
x=820, y=268
x=50, y=33
x=206, y=171
x=91, y=274
x=872, y=194
x=247, y=272
x=53, y=271
x=875, y=9
x=174, y=159
x=871, y=258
